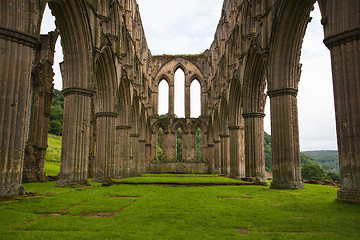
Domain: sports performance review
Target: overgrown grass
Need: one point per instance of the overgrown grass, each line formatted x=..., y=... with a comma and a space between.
x=164, y=212
x=53, y=153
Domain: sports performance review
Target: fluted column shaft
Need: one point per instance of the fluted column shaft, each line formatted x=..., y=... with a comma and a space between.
x=134, y=155
x=169, y=147
x=188, y=151
x=142, y=151
x=254, y=147
x=148, y=156
x=217, y=157
x=237, y=152
x=122, y=151
x=345, y=55
x=210, y=157
x=225, y=154
x=105, y=146
x=16, y=58
x=76, y=137
x=285, y=139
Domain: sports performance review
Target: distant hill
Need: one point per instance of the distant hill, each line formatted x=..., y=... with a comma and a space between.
x=329, y=159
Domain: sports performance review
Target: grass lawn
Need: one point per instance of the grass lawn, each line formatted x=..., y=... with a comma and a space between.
x=166, y=212
x=53, y=153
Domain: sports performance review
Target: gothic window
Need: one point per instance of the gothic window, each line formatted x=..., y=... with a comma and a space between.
x=195, y=99
x=163, y=101
x=179, y=99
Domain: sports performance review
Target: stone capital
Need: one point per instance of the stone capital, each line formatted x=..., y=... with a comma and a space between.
x=77, y=91
x=235, y=127
x=253, y=115
x=106, y=114
x=342, y=38
x=18, y=37
x=282, y=92
x=123, y=127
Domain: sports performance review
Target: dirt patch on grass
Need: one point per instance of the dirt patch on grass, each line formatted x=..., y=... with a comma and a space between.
x=243, y=230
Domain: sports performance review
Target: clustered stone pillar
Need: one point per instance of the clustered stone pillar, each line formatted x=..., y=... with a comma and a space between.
x=210, y=157
x=76, y=137
x=91, y=164
x=188, y=152
x=169, y=146
x=285, y=139
x=142, y=155
x=345, y=60
x=105, y=146
x=122, y=151
x=254, y=147
x=217, y=156
x=16, y=58
x=134, y=155
x=42, y=95
x=237, y=153
x=225, y=154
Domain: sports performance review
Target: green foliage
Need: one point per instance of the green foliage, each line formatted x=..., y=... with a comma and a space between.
x=328, y=159
x=333, y=176
x=198, y=145
x=306, y=160
x=52, y=157
x=179, y=145
x=312, y=172
x=267, y=150
x=57, y=112
x=160, y=152
x=164, y=212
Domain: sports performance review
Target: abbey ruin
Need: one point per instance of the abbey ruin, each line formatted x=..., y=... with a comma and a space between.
x=111, y=82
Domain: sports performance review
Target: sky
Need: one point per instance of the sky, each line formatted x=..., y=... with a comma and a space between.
x=188, y=27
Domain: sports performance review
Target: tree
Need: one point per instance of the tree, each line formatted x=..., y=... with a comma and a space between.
x=312, y=172
x=57, y=112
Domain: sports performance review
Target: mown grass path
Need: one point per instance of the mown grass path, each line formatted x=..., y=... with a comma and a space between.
x=168, y=212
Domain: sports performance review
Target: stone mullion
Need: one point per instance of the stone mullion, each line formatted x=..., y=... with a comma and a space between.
x=187, y=99
x=122, y=151
x=225, y=154
x=171, y=97
x=76, y=137
x=105, y=146
x=345, y=54
x=285, y=139
x=254, y=147
x=237, y=152
x=16, y=59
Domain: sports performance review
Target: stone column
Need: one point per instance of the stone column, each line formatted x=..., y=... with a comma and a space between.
x=41, y=98
x=122, y=151
x=142, y=150
x=91, y=164
x=16, y=58
x=105, y=146
x=345, y=61
x=171, y=99
x=169, y=147
x=76, y=137
x=148, y=156
x=187, y=100
x=254, y=147
x=285, y=139
x=134, y=155
x=217, y=156
x=188, y=152
x=225, y=154
x=237, y=152
x=210, y=157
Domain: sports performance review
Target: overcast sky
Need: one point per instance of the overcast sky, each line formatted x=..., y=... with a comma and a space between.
x=188, y=27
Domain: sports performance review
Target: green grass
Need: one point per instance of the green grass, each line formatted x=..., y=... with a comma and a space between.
x=180, y=178
x=165, y=212
x=53, y=153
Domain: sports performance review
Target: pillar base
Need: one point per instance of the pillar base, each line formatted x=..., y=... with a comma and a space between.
x=67, y=183
x=287, y=184
x=348, y=195
x=12, y=190
x=256, y=180
x=102, y=180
